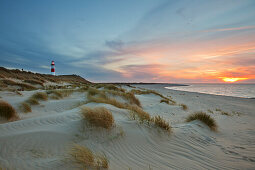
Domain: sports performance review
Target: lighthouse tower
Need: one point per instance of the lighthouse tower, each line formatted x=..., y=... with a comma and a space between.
x=53, y=68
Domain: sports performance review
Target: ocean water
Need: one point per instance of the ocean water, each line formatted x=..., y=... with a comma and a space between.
x=236, y=90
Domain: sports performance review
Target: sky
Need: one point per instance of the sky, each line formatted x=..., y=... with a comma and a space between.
x=166, y=41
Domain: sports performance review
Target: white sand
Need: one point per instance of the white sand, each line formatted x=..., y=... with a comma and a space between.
x=43, y=138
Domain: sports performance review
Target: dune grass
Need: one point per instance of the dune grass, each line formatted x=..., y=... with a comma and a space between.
x=87, y=159
x=99, y=116
x=31, y=81
x=40, y=96
x=129, y=85
x=203, y=117
x=23, y=86
x=7, y=111
x=184, y=107
x=133, y=108
x=160, y=122
x=93, y=91
x=33, y=100
x=218, y=110
x=135, y=111
x=164, y=99
x=60, y=94
x=210, y=111
x=130, y=97
x=113, y=87
x=142, y=115
x=225, y=113
x=25, y=107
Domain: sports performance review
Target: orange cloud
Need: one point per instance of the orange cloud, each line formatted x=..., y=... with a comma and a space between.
x=208, y=60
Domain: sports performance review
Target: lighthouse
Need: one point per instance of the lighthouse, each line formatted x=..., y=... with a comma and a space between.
x=53, y=68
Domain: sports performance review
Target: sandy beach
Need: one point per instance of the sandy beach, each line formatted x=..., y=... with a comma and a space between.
x=43, y=138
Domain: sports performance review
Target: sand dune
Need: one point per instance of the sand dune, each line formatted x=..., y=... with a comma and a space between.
x=42, y=139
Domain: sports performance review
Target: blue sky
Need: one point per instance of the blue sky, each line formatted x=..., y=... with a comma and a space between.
x=146, y=40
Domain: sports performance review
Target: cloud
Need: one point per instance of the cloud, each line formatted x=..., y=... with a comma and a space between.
x=230, y=29
x=45, y=67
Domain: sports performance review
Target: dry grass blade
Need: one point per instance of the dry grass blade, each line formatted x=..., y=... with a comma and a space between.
x=99, y=116
x=203, y=117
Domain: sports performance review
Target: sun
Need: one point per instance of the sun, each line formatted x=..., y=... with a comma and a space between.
x=232, y=79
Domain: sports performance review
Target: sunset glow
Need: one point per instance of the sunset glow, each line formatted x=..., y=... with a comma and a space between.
x=231, y=80
x=162, y=41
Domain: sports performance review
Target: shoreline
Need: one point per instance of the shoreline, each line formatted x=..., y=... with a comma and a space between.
x=208, y=93
x=211, y=94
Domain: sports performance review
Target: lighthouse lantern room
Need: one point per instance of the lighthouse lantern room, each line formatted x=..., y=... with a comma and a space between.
x=53, y=68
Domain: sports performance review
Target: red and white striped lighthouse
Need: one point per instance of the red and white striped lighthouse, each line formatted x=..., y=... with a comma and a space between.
x=53, y=68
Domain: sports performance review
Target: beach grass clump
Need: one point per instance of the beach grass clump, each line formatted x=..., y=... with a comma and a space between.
x=225, y=113
x=31, y=81
x=129, y=85
x=99, y=116
x=164, y=101
x=32, y=101
x=83, y=88
x=102, y=161
x=99, y=86
x=40, y=96
x=59, y=94
x=25, y=107
x=113, y=87
x=133, y=108
x=106, y=100
x=130, y=97
x=210, y=111
x=7, y=111
x=184, y=106
x=142, y=115
x=23, y=86
x=160, y=122
x=66, y=92
x=218, y=110
x=102, y=98
x=203, y=117
x=87, y=159
x=93, y=91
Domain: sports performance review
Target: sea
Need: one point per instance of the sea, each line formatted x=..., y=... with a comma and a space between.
x=236, y=90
